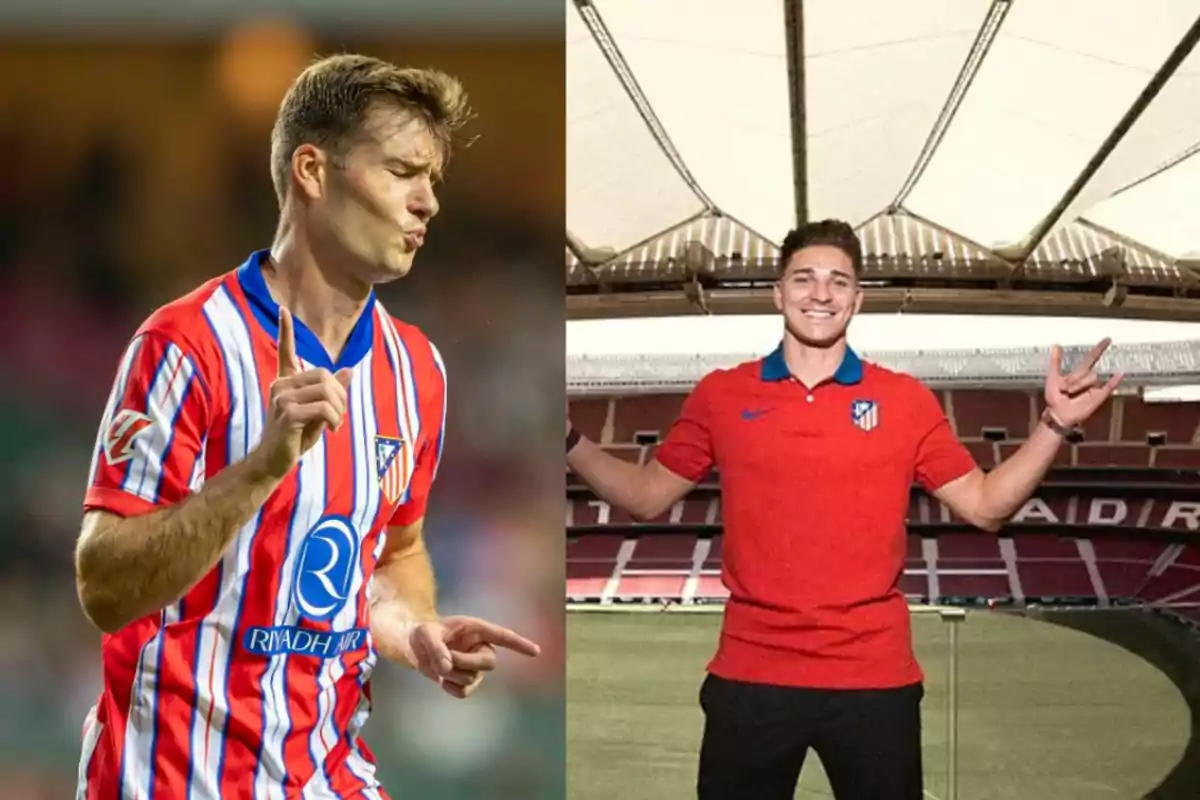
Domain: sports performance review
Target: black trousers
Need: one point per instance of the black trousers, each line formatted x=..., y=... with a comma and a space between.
x=756, y=737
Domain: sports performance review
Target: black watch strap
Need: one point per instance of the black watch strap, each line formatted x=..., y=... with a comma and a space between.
x=573, y=438
x=1051, y=422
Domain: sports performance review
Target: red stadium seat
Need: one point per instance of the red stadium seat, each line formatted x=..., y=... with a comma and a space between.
x=663, y=551
x=1123, y=578
x=977, y=409
x=655, y=586
x=1178, y=421
x=1061, y=459
x=1189, y=556
x=590, y=563
x=914, y=585
x=1112, y=455
x=1177, y=457
x=710, y=587
x=1176, y=582
x=659, y=567
x=588, y=415
x=645, y=413
x=713, y=561
x=967, y=564
x=1044, y=546
x=914, y=555
x=1056, y=577
x=968, y=551
x=996, y=584
x=1138, y=550
x=984, y=453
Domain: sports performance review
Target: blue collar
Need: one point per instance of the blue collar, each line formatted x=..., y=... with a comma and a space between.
x=849, y=372
x=308, y=346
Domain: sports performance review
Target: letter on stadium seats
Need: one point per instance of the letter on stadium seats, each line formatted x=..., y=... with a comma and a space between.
x=1117, y=511
x=1035, y=510
x=1188, y=513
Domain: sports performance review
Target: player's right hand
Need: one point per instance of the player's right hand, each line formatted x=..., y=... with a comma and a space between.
x=456, y=652
x=303, y=405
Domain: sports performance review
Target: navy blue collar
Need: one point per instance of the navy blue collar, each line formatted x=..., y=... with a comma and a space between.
x=308, y=346
x=849, y=372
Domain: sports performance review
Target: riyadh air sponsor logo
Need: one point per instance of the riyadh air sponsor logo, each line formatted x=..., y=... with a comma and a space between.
x=298, y=641
x=325, y=567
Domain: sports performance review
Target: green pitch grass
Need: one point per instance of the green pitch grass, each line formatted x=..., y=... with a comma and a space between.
x=1046, y=712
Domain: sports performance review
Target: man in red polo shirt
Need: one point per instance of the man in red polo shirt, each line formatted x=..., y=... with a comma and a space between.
x=816, y=453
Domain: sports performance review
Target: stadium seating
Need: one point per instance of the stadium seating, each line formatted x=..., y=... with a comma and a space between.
x=612, y=559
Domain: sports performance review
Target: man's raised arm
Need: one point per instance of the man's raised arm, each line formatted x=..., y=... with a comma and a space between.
x=648, y=490
x=137, y=551
x=645, y=491
x=987, y=501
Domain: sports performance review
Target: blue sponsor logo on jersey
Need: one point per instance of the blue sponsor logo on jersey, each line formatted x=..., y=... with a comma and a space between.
x=325, y=568
x=298, y=641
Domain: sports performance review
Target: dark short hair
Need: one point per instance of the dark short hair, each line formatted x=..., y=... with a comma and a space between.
x=329, y=102
x=827, y=232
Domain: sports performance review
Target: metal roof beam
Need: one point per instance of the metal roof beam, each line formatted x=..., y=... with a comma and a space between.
x=1131, y=116
x=793, y=22
x=608, y=46
x=966, y=76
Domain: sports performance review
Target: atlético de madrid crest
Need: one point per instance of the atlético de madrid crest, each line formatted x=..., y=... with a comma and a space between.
x=390, y=466
x=865, y=414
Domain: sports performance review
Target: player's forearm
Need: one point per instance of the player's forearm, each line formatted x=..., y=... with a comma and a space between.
x=1009, y=485
x=404, y=593
x=616, y=482
x=128, y=568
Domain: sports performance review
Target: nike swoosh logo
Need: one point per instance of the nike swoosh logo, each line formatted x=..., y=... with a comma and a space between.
x=747, y=414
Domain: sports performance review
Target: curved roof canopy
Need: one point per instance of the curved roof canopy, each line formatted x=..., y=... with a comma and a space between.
x=1036, y=157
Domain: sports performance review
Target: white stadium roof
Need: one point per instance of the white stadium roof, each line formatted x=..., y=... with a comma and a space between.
x=986, y=149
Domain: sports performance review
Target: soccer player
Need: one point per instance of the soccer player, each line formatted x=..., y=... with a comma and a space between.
x=252, y=537
x=816, y=452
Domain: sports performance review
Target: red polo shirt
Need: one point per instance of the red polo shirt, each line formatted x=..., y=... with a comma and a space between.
x=815, y=487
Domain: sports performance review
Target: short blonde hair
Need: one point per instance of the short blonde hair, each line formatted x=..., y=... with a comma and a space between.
x=328, y=103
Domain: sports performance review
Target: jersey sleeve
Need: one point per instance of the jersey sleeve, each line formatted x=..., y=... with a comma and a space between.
x=941, y=457
x=149, y=448
x=431, y=442
x=688, y=448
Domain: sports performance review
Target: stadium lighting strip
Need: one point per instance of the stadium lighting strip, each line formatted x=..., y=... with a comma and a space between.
x=1159, y=365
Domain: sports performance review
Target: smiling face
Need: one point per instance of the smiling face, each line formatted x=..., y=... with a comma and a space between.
x=818, y=293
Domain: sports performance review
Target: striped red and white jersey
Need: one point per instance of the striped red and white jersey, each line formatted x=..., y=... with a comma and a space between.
x=256, y=683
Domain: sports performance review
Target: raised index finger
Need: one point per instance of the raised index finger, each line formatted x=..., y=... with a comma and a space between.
x=1055, y=371
x=288, y=365
x=503, y=637
x=1094, y=355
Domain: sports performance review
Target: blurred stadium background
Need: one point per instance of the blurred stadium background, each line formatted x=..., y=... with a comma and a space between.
x=1021, y=174
x=135, y=143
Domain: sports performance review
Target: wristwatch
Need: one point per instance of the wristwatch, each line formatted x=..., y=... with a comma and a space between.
x=1051, y=422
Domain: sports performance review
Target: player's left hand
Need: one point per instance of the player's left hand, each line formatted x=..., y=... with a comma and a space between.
x=456, y=652
x=1075, y=397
